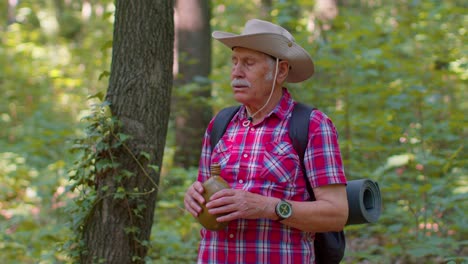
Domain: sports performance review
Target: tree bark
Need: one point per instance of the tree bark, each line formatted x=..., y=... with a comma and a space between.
x=11, y=15
x=139, y=93
x=326, y=10
x=190, y=107
x=265, y=9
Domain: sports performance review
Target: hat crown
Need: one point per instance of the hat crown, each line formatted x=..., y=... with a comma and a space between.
x=256, y=26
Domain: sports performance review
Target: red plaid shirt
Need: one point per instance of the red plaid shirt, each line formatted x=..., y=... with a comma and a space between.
x=261, y=159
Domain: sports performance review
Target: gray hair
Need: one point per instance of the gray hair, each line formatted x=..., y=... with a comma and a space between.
x=271, y=63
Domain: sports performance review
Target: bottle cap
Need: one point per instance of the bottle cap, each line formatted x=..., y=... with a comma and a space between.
x=215, y=169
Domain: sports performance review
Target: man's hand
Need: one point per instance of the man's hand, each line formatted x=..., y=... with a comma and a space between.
x=237, y=204
x=193, y=198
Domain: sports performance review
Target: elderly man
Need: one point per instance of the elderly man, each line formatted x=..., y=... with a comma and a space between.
x=271, y=218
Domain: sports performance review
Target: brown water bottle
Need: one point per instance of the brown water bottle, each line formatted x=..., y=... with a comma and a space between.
x=214, y=184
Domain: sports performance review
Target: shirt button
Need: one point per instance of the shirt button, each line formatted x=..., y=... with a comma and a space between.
x=231, y=236
x=246, y=155
x=252, y=129
x=241, y=181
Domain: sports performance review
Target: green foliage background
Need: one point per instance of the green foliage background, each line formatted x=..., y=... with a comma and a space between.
x=391, y=74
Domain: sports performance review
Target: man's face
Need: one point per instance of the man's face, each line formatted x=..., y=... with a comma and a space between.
x=251, y=76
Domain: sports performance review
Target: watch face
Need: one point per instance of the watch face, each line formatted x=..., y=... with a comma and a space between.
x=284, y=209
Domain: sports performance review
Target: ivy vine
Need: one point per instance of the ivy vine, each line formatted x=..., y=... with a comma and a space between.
x=95, y=159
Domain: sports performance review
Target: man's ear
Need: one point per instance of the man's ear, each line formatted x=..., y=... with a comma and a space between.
x=283, y=71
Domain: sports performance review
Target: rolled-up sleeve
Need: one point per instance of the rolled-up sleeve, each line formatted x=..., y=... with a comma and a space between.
x=322, y=158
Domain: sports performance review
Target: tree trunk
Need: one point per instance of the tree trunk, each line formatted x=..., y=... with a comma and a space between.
x=265, y=9
x=326, y=10
x=190, y=107
x=139, y=92
x=11, y=15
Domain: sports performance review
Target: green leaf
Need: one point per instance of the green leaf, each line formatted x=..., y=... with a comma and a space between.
x=99, y=95
x=123, y=137
x=103, y=75
x=120, y=193
x=154, y=167
x=145, y=155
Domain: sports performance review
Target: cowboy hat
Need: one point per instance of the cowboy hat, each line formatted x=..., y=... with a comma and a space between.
x=273, y=40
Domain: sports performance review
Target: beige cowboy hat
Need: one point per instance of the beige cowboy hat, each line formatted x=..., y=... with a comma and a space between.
x=273, y=40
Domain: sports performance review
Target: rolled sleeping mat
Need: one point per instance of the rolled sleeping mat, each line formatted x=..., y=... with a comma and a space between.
x=364, y=201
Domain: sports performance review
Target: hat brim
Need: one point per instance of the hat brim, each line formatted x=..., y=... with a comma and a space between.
x=302, y=66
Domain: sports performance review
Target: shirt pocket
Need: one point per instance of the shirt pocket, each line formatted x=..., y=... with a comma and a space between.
x=221, y=153
x=280, y=163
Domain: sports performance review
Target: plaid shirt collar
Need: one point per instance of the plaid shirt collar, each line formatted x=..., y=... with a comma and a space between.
x=281, y=111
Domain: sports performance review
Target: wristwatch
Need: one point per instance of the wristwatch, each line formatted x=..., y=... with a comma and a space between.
x=283, y=210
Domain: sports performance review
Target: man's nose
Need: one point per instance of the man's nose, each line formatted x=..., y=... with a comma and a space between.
x=237, y=71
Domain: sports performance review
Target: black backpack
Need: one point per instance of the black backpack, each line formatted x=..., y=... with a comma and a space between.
x=329, y=246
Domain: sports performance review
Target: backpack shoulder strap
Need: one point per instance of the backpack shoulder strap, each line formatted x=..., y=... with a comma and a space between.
x=299, y=134
x=221, y=122
x=299, y=128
